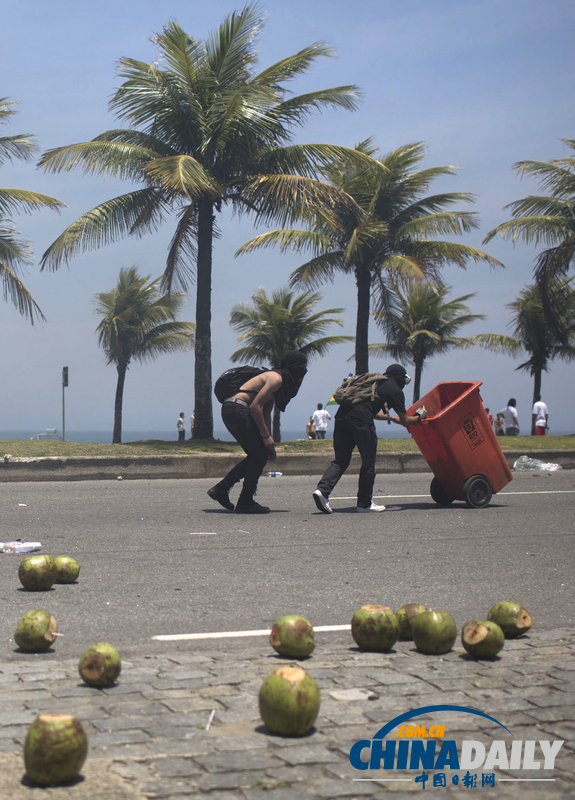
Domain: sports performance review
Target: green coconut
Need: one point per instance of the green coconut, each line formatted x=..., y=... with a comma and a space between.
x=67, y=568
x=482, y=638
x=434, y=632
x=37, y=573
x=289, y=701
x=35, y=631
x=292, y=636
x=512, y=618
x=55, y=749
x=405, y=617
x=100, y=665
x=374, y=628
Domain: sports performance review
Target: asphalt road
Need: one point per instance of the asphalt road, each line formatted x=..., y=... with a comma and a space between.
x=159, y=557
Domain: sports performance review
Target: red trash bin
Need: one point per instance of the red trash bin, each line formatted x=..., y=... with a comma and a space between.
x=459, y=444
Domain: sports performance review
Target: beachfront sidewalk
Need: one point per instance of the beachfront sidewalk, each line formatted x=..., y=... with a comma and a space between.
x=148, y=735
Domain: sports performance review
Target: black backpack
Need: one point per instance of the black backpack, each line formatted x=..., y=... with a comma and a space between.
x=231, y=381
x=358, y=388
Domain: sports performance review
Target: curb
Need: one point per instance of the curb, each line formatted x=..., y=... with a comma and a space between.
x=99, y=468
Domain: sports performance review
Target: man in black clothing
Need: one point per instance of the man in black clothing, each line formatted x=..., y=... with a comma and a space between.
x=248, y=417
x=354, y=427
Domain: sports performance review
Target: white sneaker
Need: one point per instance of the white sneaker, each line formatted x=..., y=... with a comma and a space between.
x=372, y=507
x=322, y=502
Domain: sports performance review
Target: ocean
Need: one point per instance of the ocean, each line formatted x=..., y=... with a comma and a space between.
x=105, y=437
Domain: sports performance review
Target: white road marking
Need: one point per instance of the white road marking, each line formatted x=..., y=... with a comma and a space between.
x=404, y=496
x=178, y=637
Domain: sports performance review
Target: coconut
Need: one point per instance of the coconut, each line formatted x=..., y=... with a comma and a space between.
x=512, y=618
x=405, y=617
x=100, y=665
x=292, y=636
x=55, y=749
x=37, y=573
x=35, y=631
x=289, y=701
x=434, y=632
x=374, y=628
x=67, y=569
x=482, y=638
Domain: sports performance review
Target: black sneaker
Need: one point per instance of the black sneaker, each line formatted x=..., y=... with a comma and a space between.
x=251, y=508
x=322, y=502
x=221, y=497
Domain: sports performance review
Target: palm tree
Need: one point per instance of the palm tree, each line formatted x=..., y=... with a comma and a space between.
x=138, y=324
x=422, y=323
x=205, y=132
x=535, y=336
x=273, y=325
x=547, y=219
x=381, y=224
x=16, y=252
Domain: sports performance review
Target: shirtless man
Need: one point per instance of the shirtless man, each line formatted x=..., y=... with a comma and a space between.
x=248, y=417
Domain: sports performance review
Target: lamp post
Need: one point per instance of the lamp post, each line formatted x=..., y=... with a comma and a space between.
x=64, y=384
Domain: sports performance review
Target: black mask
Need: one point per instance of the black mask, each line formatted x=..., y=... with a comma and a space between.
x=293, y=367
x=398, y=374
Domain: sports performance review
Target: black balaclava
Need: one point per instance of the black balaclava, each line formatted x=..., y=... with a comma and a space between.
x=293, y=367
x=398, y=374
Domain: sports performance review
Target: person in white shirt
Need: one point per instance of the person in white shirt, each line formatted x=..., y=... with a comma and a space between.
x=181, y=426
x=539, y=418
x=320, y=417
x=510, y=420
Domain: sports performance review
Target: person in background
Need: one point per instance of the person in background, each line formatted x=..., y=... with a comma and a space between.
x=181, y=426
x=354, y=427
x=539, y=418
x=510, y=419
x=310, y=429
x=192, y=423
x=320, y=417
x=248, y=417
x=489, y=417
x=499, y=425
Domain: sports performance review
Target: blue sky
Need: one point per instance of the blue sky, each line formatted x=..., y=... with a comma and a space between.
x=484, y=83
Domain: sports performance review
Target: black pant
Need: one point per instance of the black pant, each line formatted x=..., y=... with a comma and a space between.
x=238, y=420
x=352, y=430
x=181, y=436
x=320, y=434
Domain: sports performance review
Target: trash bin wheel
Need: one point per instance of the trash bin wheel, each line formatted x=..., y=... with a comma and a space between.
x=477, y=491
x=439, y=494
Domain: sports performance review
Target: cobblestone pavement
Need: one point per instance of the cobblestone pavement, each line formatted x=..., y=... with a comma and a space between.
x=148, y=735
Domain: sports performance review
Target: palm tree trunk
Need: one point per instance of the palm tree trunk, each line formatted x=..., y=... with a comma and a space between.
x=204, y=421
x=276, y=425
x=363, y=282
x=417, y=380
x=117, y=435
x=536, y=393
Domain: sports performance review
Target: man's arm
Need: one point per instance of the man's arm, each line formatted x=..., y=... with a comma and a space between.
x=261, y=409
x=405, y=419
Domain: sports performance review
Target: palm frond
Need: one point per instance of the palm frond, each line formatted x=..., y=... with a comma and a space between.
x=229, y=49
x=102, y=225
x=27, y=201
x=287, y=239
x=14, y=290
x=533, y=230
x=182, y=176
x=182, y=252
x=320, y=270
x=497, y=343
x=21, y=146
x=110, y=158
x=438, y=224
